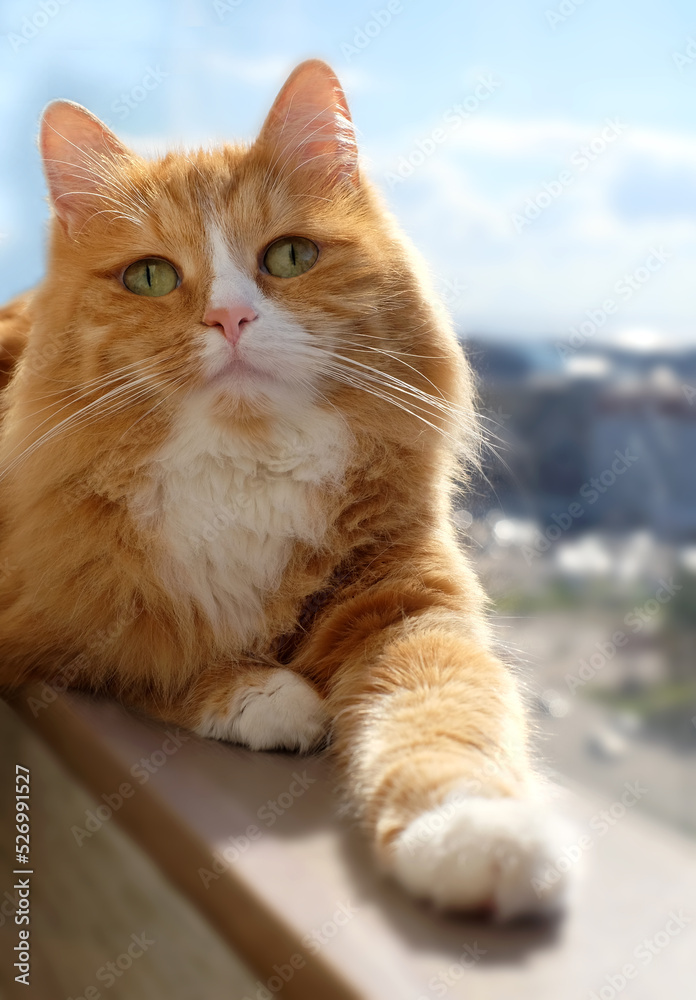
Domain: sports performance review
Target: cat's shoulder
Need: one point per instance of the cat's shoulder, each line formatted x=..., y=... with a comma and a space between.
x=15, y=322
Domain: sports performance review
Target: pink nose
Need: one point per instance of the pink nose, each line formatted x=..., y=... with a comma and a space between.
x=232, y=319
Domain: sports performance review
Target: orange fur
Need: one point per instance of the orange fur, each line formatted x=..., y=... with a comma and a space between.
x=14, y=326
x=399, y=648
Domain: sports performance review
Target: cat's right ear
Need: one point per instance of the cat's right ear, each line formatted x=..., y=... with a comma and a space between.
x=78, y=153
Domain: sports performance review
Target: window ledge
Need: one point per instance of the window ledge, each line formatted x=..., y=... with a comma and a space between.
x=298, y=880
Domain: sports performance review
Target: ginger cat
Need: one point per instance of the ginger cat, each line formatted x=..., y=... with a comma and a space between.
x=227, y=457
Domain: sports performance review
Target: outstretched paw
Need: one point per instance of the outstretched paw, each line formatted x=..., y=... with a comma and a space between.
x=495, y=854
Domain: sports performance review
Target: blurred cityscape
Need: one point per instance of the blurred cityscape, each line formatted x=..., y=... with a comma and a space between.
x=583, y=527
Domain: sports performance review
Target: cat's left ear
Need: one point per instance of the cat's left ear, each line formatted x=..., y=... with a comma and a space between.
x=79, y=152
x=309, y=125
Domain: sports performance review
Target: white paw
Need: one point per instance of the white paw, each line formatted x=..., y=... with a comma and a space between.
x=498, y=854
x=284, y=713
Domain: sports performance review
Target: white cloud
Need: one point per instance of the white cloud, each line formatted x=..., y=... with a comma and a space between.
x=255, y=70
x=458, y=205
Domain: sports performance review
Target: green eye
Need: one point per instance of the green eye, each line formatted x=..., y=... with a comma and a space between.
x=290, y=256
x=151, y=276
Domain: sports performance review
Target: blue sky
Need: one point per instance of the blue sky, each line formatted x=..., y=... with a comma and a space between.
x=536, y=82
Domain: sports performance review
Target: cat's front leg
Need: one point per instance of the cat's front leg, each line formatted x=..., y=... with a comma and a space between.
x=259, y=707
x=430, y=734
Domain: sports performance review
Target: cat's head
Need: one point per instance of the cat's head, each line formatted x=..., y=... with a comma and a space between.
x=253, y=275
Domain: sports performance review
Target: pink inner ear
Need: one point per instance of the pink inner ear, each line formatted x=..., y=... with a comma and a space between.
x=77, y=150
x=310, y=126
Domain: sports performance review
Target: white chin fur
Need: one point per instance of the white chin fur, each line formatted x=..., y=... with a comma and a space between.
x=283, y=714
x=497, y=853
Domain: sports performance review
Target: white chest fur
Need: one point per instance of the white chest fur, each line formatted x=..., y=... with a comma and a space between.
x=227, y=512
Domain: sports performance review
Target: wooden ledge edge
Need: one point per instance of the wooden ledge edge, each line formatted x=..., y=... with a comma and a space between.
x=254, y=931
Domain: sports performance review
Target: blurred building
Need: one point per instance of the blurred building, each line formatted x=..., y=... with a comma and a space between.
x=609, y=430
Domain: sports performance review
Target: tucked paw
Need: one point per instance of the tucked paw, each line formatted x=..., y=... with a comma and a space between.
x=478, y=853
x=282, y=713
